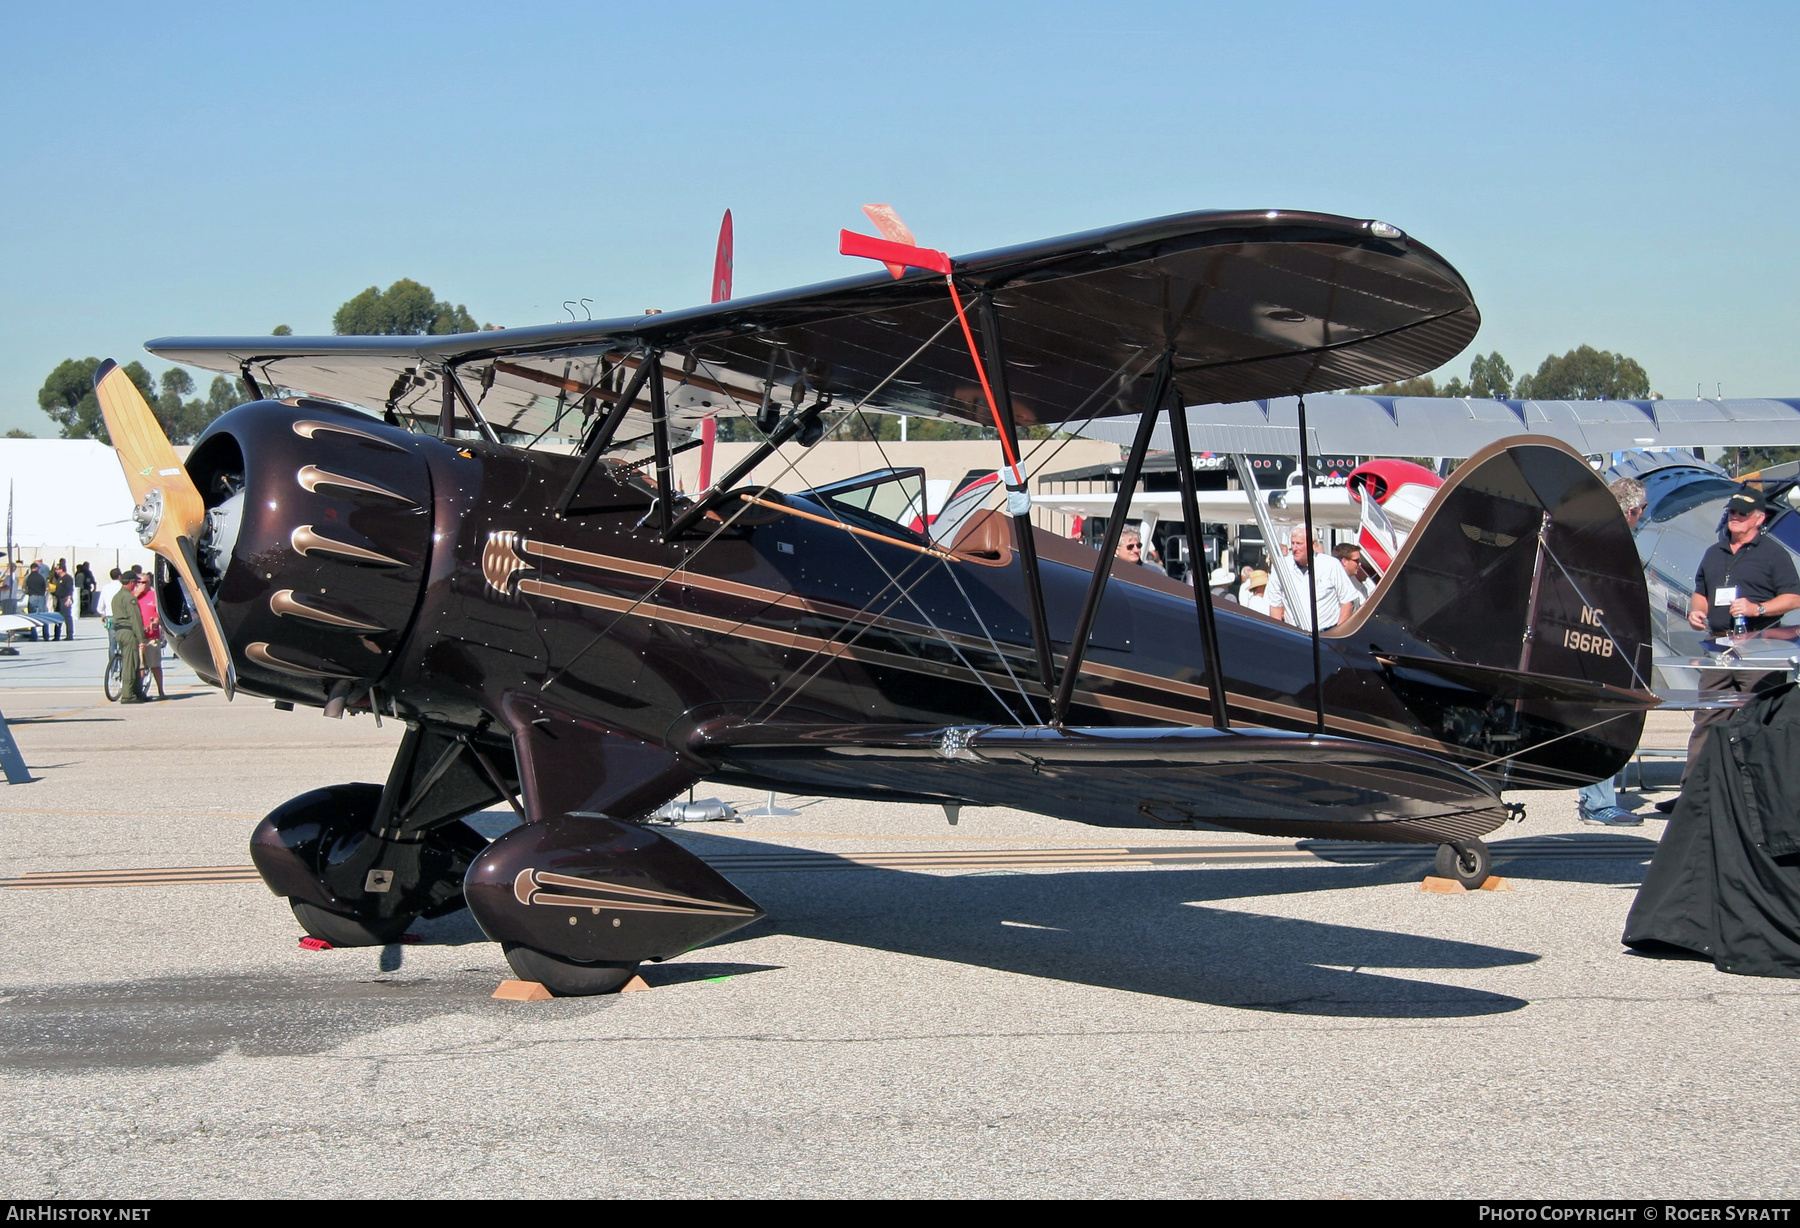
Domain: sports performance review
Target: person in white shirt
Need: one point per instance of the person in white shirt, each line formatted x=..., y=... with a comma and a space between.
x=108, y=591
x=1362, y=578
x=1337, y=593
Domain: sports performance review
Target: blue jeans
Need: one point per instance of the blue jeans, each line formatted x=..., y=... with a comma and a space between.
x=1599, y=795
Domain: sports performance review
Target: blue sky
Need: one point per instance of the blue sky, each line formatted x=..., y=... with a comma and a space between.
x=1617, y=175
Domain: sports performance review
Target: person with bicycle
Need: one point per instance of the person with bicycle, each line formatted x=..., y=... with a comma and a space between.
x=128, y=629
x=151, y=651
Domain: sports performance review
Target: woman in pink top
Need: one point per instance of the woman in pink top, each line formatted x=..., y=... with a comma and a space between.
x=153, y=641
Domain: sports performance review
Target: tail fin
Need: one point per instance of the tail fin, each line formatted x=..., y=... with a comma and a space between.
x=1515, y=622
x=1524, y=563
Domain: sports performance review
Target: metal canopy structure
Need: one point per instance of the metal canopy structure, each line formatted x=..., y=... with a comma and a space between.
x=1451, y=426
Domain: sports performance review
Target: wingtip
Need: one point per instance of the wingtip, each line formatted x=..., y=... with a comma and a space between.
x=103, y=370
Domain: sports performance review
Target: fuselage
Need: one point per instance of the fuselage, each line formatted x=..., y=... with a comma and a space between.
x=429, y=579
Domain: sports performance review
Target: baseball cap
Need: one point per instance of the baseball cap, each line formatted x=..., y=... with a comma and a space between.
x=1746, y=500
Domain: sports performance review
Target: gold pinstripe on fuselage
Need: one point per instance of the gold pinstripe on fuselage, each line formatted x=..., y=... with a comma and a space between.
x=1018, y=655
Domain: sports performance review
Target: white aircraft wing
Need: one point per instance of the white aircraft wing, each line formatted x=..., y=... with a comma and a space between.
x=1332, y=508
x=1448, y=426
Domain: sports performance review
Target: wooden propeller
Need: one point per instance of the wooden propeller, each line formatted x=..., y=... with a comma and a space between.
x=169, y=506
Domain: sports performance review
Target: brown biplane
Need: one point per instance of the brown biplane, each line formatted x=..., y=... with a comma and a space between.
x=480, y=536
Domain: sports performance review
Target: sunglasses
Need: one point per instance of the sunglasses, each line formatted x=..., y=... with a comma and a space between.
x=1133, y=546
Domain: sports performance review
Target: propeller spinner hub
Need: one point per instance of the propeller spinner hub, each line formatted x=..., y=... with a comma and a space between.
x=148, y=516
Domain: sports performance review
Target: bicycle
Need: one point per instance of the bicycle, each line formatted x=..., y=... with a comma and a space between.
x=115, y=674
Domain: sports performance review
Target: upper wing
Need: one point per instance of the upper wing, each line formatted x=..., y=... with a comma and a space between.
x=1253, y=304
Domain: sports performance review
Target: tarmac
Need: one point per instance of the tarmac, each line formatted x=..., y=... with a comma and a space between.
x=1009, y=1007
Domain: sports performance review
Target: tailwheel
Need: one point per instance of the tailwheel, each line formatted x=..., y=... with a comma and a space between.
x=567, y=978
x=342, y=931
x=1466, y=861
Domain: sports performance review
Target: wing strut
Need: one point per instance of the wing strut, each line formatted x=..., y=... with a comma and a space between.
x=1115, y=525
x=1190, y=513
x=659, y=437
x=447, y=416
x=1312, y=568
x=723, y=489
x=607, y=428
x=469, y=407
x=1023, y=541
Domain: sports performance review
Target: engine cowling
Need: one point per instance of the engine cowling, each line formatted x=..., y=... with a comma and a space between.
x=317, y=540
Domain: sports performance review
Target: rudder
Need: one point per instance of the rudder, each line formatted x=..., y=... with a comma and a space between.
x=1524, y=574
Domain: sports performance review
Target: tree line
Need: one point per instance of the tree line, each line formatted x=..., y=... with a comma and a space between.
x=405, y=308
x=408, y=308
x=1583, y=374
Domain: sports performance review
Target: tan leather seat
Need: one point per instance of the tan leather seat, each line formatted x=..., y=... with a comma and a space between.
x=986, y=538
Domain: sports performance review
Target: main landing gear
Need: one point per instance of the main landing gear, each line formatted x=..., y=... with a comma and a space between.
x=575, y=898
x=1466, y=861
x=359, y=863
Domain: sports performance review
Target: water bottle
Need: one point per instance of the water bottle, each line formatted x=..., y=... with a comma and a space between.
x=1740, y=625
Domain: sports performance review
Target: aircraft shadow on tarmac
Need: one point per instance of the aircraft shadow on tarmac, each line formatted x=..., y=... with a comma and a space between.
x=1143, y=931
x=185, y=1021
x=1150, y=931
x=1164, y=932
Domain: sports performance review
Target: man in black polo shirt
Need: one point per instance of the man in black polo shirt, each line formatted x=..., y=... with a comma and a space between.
x=1743, y=575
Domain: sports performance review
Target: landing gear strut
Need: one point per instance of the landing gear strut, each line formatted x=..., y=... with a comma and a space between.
x=1466, y=861
x=359, y=863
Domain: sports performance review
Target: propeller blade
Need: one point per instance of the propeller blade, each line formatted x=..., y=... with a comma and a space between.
x=167, y=497
x=187, y=565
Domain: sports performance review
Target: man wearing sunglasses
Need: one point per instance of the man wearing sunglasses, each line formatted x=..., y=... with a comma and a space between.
x=1743, y=575
x=1131, y=549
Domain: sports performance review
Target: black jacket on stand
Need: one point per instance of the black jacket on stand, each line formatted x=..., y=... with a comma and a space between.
x=1725, y=882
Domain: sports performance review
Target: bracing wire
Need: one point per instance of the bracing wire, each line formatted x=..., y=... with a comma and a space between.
x=1632, y=665
x=1536, y=746
x=893, y=582
x=726, y=523
x=1070, y=436
x=955, y=579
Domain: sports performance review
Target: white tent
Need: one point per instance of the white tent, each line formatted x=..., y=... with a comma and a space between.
x=69, y=500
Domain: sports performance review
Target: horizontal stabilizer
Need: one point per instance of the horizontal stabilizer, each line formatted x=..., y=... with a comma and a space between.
x=1515, y=685
x=1703, y=701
